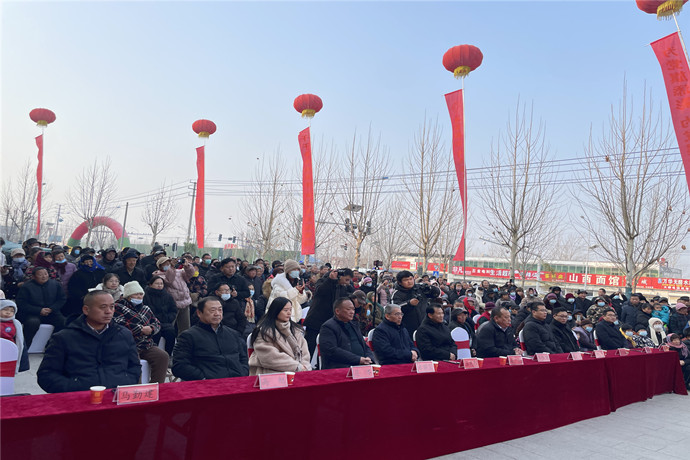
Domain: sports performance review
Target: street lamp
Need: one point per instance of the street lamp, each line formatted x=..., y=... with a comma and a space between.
x=589, y=248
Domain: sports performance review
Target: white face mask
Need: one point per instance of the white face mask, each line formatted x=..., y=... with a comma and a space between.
x=251, y=292
x=658, y=327
x=294, y=274
x=136, y=301
x=225, y=296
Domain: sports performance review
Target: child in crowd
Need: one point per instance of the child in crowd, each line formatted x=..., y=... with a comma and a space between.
x=12, y=330
x=641, y=338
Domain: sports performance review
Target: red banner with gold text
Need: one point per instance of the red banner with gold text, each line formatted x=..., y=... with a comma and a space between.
x=39, y=181
x=674, y=65
x=308, y=224
x=199, y=200
x=454, y=101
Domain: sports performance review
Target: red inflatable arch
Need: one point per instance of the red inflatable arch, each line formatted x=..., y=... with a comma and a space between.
x=112, y=224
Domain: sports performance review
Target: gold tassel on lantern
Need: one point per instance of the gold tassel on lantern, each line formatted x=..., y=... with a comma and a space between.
x=42, y=123
x=204, y=134
x=308, y=113
x=462, y=71
x=668, y=8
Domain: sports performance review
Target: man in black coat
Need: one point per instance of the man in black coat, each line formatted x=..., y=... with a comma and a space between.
x=392, y=342
x=433, y=337
x=582, y=303
x=561, y=331
x=209, y=350
x=340, y=341
x=129, y=271
x=608, y=333
x=536, y=333
x=40, y=301
x=630, y=309
x=679, y=319
x=643, y=317
x=329, y=288
x=413, y=299
x=496, y=337
x=92, y=350
x=233, y=312
x=229, y=275
x=109, y=260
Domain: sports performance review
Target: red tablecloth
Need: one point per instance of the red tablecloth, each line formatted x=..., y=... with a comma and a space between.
x=325, y=415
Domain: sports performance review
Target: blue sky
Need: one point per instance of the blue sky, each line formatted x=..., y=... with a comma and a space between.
x=127, y=79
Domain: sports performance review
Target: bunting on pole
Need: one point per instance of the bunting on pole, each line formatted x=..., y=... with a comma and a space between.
x=199, y=200
x=308, y=224
x=39, y=181
x=674, y=66
x=454, y=102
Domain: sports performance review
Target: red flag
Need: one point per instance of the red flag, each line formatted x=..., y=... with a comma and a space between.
x=308, y=225
x=199, y=201
x=39, y=180
x=674, y=65
x=454, y=101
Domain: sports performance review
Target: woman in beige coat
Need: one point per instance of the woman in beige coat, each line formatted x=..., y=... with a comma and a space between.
x=278, y=342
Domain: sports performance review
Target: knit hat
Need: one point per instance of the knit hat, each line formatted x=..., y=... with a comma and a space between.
x=16, y=251
x=161, y=261
x=367, y=280
x=131, y=255
x=291, y=265
x=489, y=306
x=133, y=287
x=569, y=296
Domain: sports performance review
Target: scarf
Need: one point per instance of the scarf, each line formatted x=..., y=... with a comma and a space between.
x=19, y=268
x=40, y=261
x=286, y=331
x=85, y=268
x=682, y=347
x=249, y=311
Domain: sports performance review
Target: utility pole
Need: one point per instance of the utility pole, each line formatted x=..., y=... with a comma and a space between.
x=124, y=224
x=57, y=223
x=191, y=213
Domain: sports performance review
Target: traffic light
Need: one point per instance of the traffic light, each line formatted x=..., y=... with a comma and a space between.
x=234, y=239
x=220, y=237
x=347, y=225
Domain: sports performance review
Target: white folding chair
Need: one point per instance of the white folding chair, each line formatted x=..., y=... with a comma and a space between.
x=9, y=354
x=161, y=343
x=523, y=347
x=596, y=340
x=250, y=349
x=370, y=342
x=304, y=314
x=38, y=345
x=317, y=354
x=145, y=371
x=462, y=342
x=414, y=338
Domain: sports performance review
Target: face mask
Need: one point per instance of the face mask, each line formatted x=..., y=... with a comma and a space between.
x=601, y=304
x=658, y=327
x=368, y=312
x=76, y=252
x=552, y=301
x=165, y=268
x=225, y=296
x=616, y=297
x=589, y=329
x=207, y=261
x=495, y=289
x=251, y=293
x=303, y=270
x=643, y=333
x=571, y=300
x=616, y=322
x=368, y=285
x=20, y=259
x=61, y=261
x=570, y=317
x=629, y=333
x=136, y=301
x=294, y=273
x=512, y=293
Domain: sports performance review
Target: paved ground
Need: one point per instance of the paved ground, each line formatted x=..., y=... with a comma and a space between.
x=655, y=429
x=658, y=428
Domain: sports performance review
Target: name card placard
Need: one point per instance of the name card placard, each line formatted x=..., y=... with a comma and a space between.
x=423, y=367
x=647, y=350
x=470, y=363
x=270, y=381
x=622, y=352
x=575, y=355
x=599, y=353
x=514, y=360
x=665, y=348
x=360, y=372
x=133, y=394
x=542, y=357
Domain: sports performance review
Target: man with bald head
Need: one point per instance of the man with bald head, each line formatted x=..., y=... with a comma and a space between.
x=93, y=350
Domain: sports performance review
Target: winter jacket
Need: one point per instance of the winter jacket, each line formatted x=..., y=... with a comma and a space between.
x=493, y=342
x=663, y=314
x=434, y=341
x=585, y=338
x=335, y=344
x=65, y=270
x=204, y=353
x=538, y=337
x=281, y=287
x=176, y=284
x=78, y=358
x=162, y=305
x=642, y=320
x=609, y=336
x=384, y=294
x=413, y=315
x=678, y=323
x=288, y=352
x=233, y=315
x=582, y=305
x=32, y=297
x=18, y=338
x=392, y=343
x=327, y=290
x=136, y=275
x=135, y=318
x=216, y=278
x=78, y=286
x=564, y=337
x=629, y=314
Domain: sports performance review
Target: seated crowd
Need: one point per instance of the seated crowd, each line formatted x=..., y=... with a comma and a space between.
x=196, y=318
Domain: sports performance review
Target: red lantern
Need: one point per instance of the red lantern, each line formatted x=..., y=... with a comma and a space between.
x=308, y=105
x=662, y=8
x=204, y=128
x=42, y=117
x=462, y=59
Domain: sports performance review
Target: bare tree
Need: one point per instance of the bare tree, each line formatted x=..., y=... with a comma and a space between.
x=451, y=232
x=516, y=191
x=360, y=187
x=160, y=212
x=389, y=241
x=429, y=183
x=641, y=208
x=93, y=193
x=19, y=204
x=265, y=214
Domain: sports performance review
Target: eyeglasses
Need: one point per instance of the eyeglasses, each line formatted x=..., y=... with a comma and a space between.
x=397, y=314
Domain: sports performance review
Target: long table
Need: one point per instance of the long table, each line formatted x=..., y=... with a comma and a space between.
x=326, y=415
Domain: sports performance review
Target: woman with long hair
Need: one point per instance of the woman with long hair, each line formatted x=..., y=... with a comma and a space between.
x=278, y=342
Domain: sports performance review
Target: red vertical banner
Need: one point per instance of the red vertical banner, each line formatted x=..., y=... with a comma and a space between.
x=39, y=181
x=308, y=224
x=199, y=200
x=454, y=102
x=674, y=66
